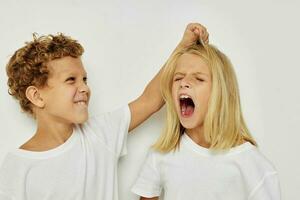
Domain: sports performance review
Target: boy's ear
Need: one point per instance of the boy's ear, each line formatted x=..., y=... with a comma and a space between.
x=33, y=95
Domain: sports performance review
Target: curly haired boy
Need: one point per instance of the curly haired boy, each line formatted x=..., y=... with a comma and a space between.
x=70, y=156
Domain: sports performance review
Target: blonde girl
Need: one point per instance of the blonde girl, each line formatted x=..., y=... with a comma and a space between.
x=205, y=150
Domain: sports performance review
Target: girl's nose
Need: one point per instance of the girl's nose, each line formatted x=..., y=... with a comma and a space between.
x=185, y=83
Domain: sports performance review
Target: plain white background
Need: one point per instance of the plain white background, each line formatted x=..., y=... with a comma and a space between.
x=127, y=42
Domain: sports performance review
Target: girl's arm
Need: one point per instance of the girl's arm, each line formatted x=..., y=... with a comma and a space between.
x=151, y=100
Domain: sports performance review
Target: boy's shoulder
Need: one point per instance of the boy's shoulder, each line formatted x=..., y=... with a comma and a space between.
x=31, y=145
x=38, y=144
x=12, y=166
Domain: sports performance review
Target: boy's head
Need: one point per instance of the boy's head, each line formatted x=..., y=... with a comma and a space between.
x=48, y=78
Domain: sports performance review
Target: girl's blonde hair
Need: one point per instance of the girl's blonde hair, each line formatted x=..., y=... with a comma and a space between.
x=224, y=125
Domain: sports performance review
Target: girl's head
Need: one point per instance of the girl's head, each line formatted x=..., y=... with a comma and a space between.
x=201, y=93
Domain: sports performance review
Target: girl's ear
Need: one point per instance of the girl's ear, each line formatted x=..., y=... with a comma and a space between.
x=33, y=95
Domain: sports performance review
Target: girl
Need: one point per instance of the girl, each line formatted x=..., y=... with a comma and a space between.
x=205, y=151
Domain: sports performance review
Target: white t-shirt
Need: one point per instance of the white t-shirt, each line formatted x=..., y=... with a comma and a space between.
x=84, y=167
x=195, y=173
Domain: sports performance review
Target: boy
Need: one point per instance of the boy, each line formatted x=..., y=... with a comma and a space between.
x=70, y=156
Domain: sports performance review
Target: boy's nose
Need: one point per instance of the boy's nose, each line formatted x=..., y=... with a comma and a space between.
x=84, y=88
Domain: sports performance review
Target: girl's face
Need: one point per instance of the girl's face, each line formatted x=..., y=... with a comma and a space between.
x=191, y=90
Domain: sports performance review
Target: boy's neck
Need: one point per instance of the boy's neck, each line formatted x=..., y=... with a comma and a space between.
x=57, y=133
x=48, y=136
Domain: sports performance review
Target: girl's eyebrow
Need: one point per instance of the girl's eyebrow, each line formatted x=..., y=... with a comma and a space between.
x=179, y=73
x=196, y=73
x=200, y=73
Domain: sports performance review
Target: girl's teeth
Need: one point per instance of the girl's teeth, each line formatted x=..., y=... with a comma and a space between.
x=184, y=97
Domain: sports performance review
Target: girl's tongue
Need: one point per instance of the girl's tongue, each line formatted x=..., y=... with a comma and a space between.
x=187, y=107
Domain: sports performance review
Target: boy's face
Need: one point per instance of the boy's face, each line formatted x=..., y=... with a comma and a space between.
x=191, y=90
x=66, y=95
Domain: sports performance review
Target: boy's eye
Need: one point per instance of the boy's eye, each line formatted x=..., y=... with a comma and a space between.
x=71, y=79
x=85, y=79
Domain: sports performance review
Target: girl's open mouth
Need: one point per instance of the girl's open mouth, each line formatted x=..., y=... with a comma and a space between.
x=187, y=106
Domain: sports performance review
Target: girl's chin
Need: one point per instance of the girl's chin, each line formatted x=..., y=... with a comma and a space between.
x=188, y=126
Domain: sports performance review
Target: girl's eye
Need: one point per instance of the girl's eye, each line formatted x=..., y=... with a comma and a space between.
x=200, y=79
x=177, y=79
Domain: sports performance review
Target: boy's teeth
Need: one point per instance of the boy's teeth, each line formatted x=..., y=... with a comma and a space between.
x=81, y=102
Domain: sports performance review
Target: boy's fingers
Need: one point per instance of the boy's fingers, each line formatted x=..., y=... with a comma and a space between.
x=200, y=31
x=201, y=27
x=203, y=35
x=196, y=31
x=193, y=26
x=207, y=41
x=206, y=37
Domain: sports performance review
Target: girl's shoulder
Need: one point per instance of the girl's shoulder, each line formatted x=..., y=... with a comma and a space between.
x=253, y=159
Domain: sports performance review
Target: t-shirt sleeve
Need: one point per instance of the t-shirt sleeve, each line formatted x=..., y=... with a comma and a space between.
x=112, y=129
x=148, y=183
x=267, y=189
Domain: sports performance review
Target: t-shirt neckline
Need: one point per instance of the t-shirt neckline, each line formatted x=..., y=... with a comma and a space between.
x=49, y=153
x=188, y=142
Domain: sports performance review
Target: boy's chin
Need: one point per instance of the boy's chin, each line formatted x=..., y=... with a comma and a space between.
x=80, y=120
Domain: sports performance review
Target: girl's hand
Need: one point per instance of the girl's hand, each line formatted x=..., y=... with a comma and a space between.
x=194, y=33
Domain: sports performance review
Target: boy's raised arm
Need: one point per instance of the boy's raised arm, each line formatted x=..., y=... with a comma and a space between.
x=151, y=99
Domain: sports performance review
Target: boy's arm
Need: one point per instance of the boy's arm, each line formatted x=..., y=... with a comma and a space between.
x=151, y=99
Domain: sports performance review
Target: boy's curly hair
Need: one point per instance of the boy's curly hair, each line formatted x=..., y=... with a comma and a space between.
x=28, y=65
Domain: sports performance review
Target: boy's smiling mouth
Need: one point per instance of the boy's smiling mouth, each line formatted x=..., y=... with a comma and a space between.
x=187, y=105
x=82, y=102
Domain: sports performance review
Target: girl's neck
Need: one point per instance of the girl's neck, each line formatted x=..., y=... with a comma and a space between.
x=197, y=135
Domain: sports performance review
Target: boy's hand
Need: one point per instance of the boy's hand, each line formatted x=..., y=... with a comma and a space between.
x=194, y=33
